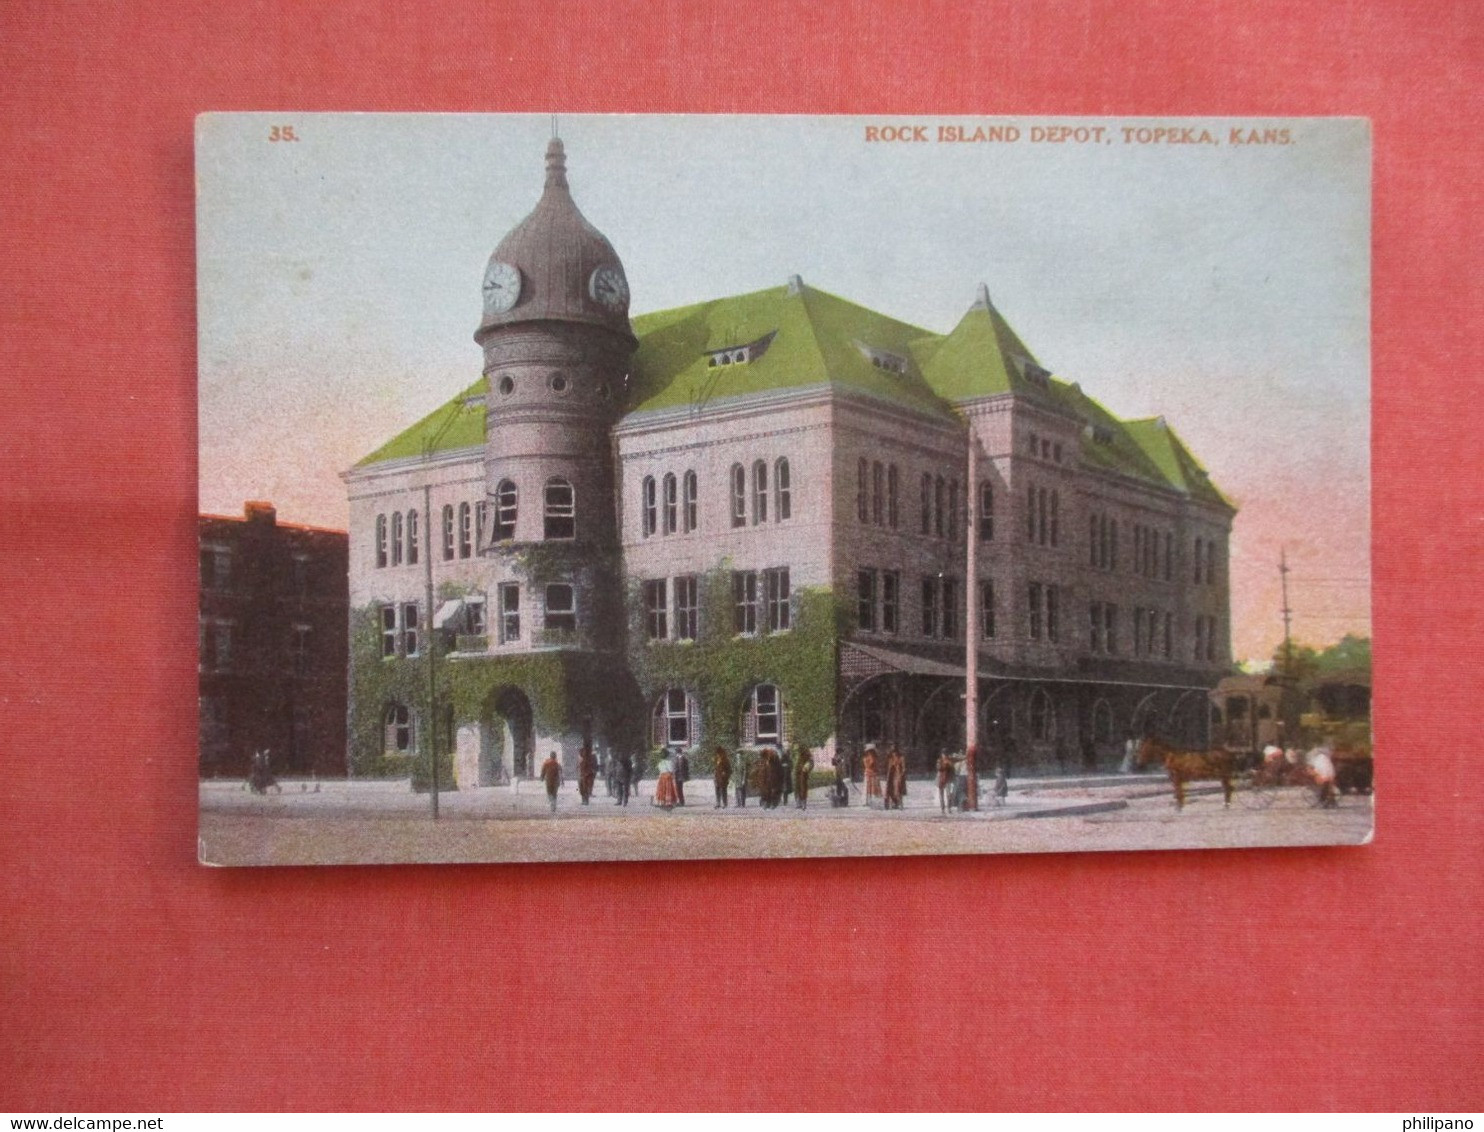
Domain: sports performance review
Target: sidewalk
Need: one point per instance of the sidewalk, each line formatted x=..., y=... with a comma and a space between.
x=527, y=799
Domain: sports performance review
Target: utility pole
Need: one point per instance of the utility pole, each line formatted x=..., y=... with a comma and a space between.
x=1287, y=613
x=971, y=626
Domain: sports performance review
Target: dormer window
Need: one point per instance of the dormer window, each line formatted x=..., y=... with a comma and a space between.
x=741, y=355
x=1032, y=372
x=883, y=359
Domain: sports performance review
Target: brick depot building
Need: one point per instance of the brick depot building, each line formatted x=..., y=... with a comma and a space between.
x=272, y=644
x=746, y=522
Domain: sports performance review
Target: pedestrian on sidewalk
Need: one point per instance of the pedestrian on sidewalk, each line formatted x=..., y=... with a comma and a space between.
x=587, y=771
x=787, y=784
x=1001, y=785
x=664, y=790
x=551, y=775
x=722, y=773
x=896, y=779
x=803, y=768
x=623, y=768
x=682, y=776
x=873, y=781
x=945, y=780
x=1130, y=748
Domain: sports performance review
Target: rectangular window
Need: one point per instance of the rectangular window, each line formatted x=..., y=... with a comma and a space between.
x=1030, y=514
x=891, y=590
x=413, y=538
x=677, y=718
x=953, y=510
x=506, y=499
x=778, y=597
x=448, y=532
x=744, y=602
x=388, y=630
x=303, y=568
x=561, y=510
x=481, y=522
x=1095, y=627
x=466, y=531
x=865, y=600
x=656, y=610
x=1033, y=607
x=409, y=629
x=690, y=489
x=759, y=492
x=215, y=640
x=765, y=714
x=561, y=608
x=1110, y=627
x=739, y=496
x=892, y=513
x=927, y=503
x=475, y=620
x=862, y=471
x=1053, y=614
x=930, y=590
x=216, y=568
x=509, y=612
x=1169, y=635
x=1055, y=518
x=986, y=512
x=950, y=608
x=878, y=493
x=687, y=608
x=299, y=650
x=986, y=609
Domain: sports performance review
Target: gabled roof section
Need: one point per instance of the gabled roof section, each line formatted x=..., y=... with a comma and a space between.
x=983, y=356
x=818, y=339
x=456, y=424
x=1179, y=468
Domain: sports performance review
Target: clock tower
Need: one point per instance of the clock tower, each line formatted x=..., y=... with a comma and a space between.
x=557, y=343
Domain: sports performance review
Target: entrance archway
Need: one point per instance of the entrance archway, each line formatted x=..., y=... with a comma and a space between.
x=507, y=740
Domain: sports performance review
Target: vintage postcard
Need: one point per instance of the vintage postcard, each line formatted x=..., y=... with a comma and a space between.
x=623, y=487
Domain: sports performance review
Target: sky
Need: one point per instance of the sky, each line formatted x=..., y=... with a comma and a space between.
x=1224, y=286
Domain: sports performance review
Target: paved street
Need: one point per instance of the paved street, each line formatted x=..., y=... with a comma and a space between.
x=384, y=822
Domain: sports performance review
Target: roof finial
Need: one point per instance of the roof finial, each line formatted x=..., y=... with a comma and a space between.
x=554, y=134
x=556, y=163
x=981, y=298
x=795, y=284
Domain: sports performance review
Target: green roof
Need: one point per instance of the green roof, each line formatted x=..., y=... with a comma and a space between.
x=817, y=339
x=804, y=337
x=457, y=424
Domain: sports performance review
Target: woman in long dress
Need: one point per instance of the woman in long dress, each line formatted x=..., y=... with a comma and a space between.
x=873, y=780
x=665, y=794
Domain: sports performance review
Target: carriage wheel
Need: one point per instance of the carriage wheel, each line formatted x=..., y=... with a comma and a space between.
x=1257, y=794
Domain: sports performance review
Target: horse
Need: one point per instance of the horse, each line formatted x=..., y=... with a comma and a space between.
x=1188, y=766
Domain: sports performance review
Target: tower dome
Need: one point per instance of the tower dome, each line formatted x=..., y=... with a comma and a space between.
x=555, y=266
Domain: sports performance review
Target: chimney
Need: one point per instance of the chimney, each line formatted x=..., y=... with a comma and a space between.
x=260, y=511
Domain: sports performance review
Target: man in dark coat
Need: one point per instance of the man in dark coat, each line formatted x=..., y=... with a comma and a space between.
x=682, y=776
x=786, y=783
x=551, y=775
x=587, y=771
x=722, y=772
x=945, y=780
x=742, y=769
x=803, y=768
x=623, y=766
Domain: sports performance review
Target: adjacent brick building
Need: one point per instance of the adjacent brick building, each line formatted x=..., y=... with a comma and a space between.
x=746, y=522
x=274, y=602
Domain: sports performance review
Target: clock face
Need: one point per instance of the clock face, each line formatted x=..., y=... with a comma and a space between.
x=609, y=287
x=501, y=287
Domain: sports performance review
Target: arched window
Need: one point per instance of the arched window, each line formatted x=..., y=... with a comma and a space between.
x=688, y=502
x=762, y=723
x=672, y=505
x=396, y=538
x=481, y=524
x=878, y=493
x=782, y=491
x=938, y=506
x=397, y=730
x=759, y=492
x=561, y=509
x=893, y=512
x=953, y=510
x=1043, y=719
x=1102, y=723
x=381, y=541
x=1055, y=516
x=412, y=538
x=466, y=530
x=862, y=489
x=649, y=507
x=739, y=495
x=986, y=512
x=927, y=503
x=675, y=720
x=447, y=532
x=506, y=507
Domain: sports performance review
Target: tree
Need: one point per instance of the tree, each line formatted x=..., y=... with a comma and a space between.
x=1296, y=661
x=1351, y=652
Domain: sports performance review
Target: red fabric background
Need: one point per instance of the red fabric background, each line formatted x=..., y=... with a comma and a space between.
x=132, y=979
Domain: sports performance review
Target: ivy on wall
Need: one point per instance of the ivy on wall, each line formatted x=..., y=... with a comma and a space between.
x=720, y=668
